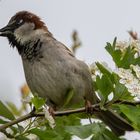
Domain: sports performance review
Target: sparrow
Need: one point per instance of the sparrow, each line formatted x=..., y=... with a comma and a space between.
x=52, y=71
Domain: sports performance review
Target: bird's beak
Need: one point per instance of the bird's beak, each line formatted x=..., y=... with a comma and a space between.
x=7, y=30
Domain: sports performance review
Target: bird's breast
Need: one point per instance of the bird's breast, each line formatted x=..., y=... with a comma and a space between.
x=46, y=80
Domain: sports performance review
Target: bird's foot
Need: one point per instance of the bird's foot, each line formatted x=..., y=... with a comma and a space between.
x=88, y=107
x=51, y=111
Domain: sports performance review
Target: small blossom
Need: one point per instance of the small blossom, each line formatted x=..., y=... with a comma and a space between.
x=93, y=68
x=125, y=73
x=122, y=45
x=130, y=81
x=136, y=69
x=49, y=117
x=26, y=100
x=95, y=71
x=135, y=90
x=135, y=44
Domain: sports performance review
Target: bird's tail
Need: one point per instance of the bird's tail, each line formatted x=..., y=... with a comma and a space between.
x=115, y=122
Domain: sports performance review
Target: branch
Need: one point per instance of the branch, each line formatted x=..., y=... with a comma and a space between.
x=34, y=114
x=127, y=102
x=60, y=113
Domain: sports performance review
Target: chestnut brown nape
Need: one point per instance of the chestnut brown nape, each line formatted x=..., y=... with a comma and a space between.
x=29, y=17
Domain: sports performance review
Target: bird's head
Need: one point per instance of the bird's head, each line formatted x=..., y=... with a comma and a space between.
x=23, y=27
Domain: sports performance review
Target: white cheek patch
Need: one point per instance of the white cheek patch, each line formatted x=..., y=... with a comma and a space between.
x=24, y=32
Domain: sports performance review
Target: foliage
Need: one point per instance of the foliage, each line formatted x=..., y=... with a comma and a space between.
x=116, y=89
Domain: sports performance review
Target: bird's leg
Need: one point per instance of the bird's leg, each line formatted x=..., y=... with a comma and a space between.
x=51, y=107
x=88, y=107
x=51, y=111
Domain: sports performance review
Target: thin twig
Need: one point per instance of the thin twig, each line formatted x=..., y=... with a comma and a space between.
x=33, y=114
x=127, y=102
x=133, y=34
x=22, y=118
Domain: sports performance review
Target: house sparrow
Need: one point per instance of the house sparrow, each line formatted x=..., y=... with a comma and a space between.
x=51, y=69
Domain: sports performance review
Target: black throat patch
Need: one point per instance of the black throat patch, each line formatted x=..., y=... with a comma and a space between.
x=30, y=50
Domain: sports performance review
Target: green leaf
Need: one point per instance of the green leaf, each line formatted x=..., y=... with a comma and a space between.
x=122, y=59
x=102, y=133
x=63, y=121
x=68, y=98
x=68, y=120
x=106, y=135
x=80, y=131
x=98, y=130
x=38, y=102
x=128, y=58
x=137, y=61
x=5, y=112
x=132, y=113
x=43, y=134
x=22, y=138
x=58, y=133
x=114, y=42
x=104, y=70
x=116, y=54
x=120, y=91
x=59, y=129
x=105, y=86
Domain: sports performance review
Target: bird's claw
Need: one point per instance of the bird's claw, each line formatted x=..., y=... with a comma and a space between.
x=88, y=107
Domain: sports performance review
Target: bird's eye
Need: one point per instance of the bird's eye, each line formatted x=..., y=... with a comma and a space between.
x=20, y=21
